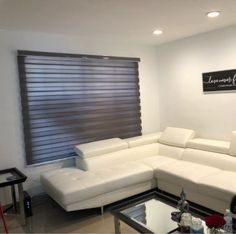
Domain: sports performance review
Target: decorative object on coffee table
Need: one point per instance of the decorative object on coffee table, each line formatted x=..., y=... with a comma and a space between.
x=214, y=223
x=183, y=207
x=197, y=226
x=185, y=222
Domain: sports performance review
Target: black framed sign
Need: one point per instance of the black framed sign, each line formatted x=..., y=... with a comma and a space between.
x=219, y=80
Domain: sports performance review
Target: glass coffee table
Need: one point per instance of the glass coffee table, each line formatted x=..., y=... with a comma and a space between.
x=151, y=213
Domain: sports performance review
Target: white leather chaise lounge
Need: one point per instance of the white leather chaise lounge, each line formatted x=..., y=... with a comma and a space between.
x=110, y=170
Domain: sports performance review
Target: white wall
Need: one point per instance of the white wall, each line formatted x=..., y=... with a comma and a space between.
x=11, y=138
x=182, y=102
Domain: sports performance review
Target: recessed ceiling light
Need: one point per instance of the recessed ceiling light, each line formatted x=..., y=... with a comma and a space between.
x=157, y=32
x=213, y=14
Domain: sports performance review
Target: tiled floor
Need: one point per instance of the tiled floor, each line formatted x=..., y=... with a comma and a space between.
x=50, y=218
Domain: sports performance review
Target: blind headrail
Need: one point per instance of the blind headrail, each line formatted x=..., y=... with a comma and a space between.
x=24, y=53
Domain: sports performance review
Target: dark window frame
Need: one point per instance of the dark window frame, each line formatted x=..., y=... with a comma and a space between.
x=92, y=87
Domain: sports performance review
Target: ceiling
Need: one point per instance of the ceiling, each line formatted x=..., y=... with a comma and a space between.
x=126, y=20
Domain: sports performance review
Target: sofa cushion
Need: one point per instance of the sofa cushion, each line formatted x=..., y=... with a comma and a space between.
x=176, y=136
x=123, y=175
x=209, y=145
x=100, y=147
x=219, y=185
x=143, y=140
x=69, y=185
x=232, y=149
x=184, y=174
x=157, y=161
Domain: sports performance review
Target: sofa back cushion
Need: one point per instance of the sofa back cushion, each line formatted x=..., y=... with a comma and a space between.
x=176, y=136
x=204, y=157
x=209, y=145
x=221, y=161
x=121, y=156
x=100, y=147
x=170, y=151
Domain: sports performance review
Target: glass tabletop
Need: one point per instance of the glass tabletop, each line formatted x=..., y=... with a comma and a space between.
x=152, y=214
x=6, y=177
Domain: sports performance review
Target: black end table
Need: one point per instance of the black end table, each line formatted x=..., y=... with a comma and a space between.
x=12, y=177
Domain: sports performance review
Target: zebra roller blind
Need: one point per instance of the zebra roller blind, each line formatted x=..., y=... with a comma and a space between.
x=70, y=99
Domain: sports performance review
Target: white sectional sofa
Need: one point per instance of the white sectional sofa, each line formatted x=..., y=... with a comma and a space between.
x=110, y=170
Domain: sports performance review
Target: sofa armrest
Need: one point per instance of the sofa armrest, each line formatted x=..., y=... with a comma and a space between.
x=143, y=140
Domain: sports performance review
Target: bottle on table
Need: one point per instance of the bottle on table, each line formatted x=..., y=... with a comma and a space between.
x=229, y=221
x=197, y=226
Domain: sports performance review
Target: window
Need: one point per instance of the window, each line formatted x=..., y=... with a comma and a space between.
x=71, y=99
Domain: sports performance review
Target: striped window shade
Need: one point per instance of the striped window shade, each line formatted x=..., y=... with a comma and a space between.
x=70, y=99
